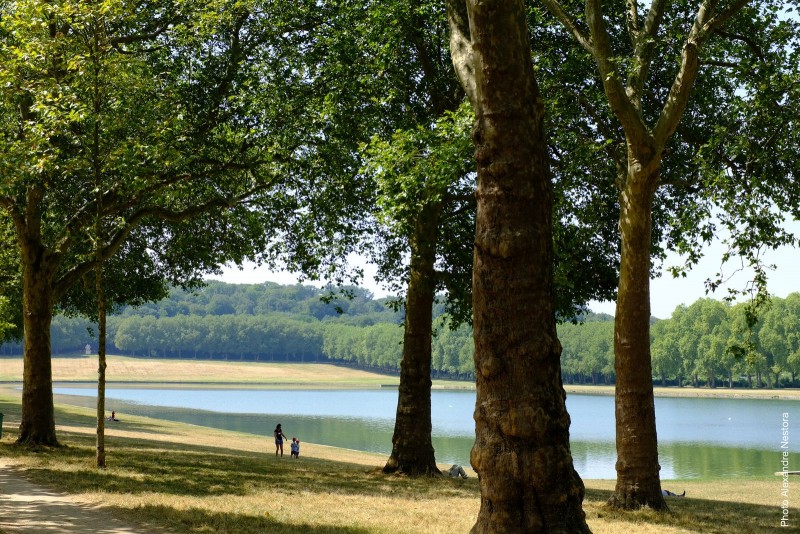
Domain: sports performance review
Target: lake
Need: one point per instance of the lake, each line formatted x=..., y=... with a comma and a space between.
x=698, y=438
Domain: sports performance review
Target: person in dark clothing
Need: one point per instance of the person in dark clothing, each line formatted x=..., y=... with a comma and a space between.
x=279, y=437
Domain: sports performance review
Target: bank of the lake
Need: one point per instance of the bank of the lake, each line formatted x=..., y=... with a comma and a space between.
x=151, y=372
x=191, y=479
x=698, y=437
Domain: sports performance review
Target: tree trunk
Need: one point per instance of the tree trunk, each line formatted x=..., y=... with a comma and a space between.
x=638, y=482
x=101, y=321
x=101, y=371
x=412, y=449
x=521, y=452
x=37, y=426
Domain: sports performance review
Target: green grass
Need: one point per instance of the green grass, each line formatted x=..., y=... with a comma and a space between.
x=185, y=478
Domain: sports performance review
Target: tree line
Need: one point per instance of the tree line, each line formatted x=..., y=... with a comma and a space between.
x=705, y=344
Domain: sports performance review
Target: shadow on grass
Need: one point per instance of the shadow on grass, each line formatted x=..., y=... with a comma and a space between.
x=697, y=515
x=199, y=520
x=140, y=465
x=73, y=416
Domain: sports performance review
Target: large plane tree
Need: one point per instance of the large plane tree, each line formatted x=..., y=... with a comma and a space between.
x=162, y=119
x=521, y=452
x=676, y=81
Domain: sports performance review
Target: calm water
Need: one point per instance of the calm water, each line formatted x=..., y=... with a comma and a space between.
x=697, y=437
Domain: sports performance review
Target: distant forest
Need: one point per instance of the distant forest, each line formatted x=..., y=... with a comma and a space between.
x=705, y=344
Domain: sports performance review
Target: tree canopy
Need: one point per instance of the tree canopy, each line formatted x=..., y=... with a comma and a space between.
x=667, y=82
x=171, y=117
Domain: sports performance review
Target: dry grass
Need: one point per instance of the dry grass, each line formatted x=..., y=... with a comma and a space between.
x=138, y=370
x=185, y=478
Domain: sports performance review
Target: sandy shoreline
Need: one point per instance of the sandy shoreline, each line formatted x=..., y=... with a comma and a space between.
x=126, y=372
x=674, y=392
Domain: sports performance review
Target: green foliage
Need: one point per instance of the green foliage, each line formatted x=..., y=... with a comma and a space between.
x=171, y=115
x=730, y=167
x=707, y=343
x=10, y=284
x=417, y=172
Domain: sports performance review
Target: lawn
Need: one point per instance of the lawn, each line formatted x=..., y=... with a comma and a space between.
x=184, y=478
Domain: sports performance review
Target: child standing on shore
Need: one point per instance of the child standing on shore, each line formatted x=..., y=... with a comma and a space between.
x=295, y=448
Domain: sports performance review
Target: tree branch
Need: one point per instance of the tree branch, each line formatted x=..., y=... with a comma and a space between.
x=720, y=19
x=622, y=106
x=632, y=22
x=159, y=212
x=751, y=44
x=557, y=10
x=678, y=96
x=461, y=47
x=644, y=47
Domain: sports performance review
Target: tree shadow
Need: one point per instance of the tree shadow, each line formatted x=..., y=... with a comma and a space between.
x=143, y=465
x=698, y=515
x=198, y=520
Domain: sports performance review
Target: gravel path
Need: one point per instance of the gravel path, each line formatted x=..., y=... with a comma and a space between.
x=32, y=509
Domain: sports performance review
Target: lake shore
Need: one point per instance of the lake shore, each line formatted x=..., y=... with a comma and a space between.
x=185, y=478
x=125, y=371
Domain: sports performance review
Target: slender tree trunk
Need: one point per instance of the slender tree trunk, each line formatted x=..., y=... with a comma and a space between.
x=638, y=482
x=412, y=449
x=521, y=452
x=37, y=426
x=101, y=370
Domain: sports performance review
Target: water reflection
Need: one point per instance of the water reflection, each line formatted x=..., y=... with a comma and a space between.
x=697, y=437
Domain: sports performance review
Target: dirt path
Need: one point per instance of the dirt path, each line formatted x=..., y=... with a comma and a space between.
x=32, y=509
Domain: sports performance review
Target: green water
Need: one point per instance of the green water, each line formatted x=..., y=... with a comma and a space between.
x=698, y=438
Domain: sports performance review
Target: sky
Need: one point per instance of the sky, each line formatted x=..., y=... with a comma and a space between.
x=666, y=292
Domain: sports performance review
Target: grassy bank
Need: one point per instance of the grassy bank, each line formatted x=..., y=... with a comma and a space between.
x=134, y=371
x=185, y=478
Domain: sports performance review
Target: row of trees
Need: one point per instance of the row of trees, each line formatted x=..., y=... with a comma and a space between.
x=709, y=343
x=218, y=298
x=705, y=344
x=167, y=138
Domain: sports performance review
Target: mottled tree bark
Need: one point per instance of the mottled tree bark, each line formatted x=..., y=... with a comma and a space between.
x=37, y=426
x=638, y=482
x=412, y=449
x=521, y=452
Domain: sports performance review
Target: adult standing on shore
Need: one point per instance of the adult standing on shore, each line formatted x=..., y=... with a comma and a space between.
x=279, y=437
